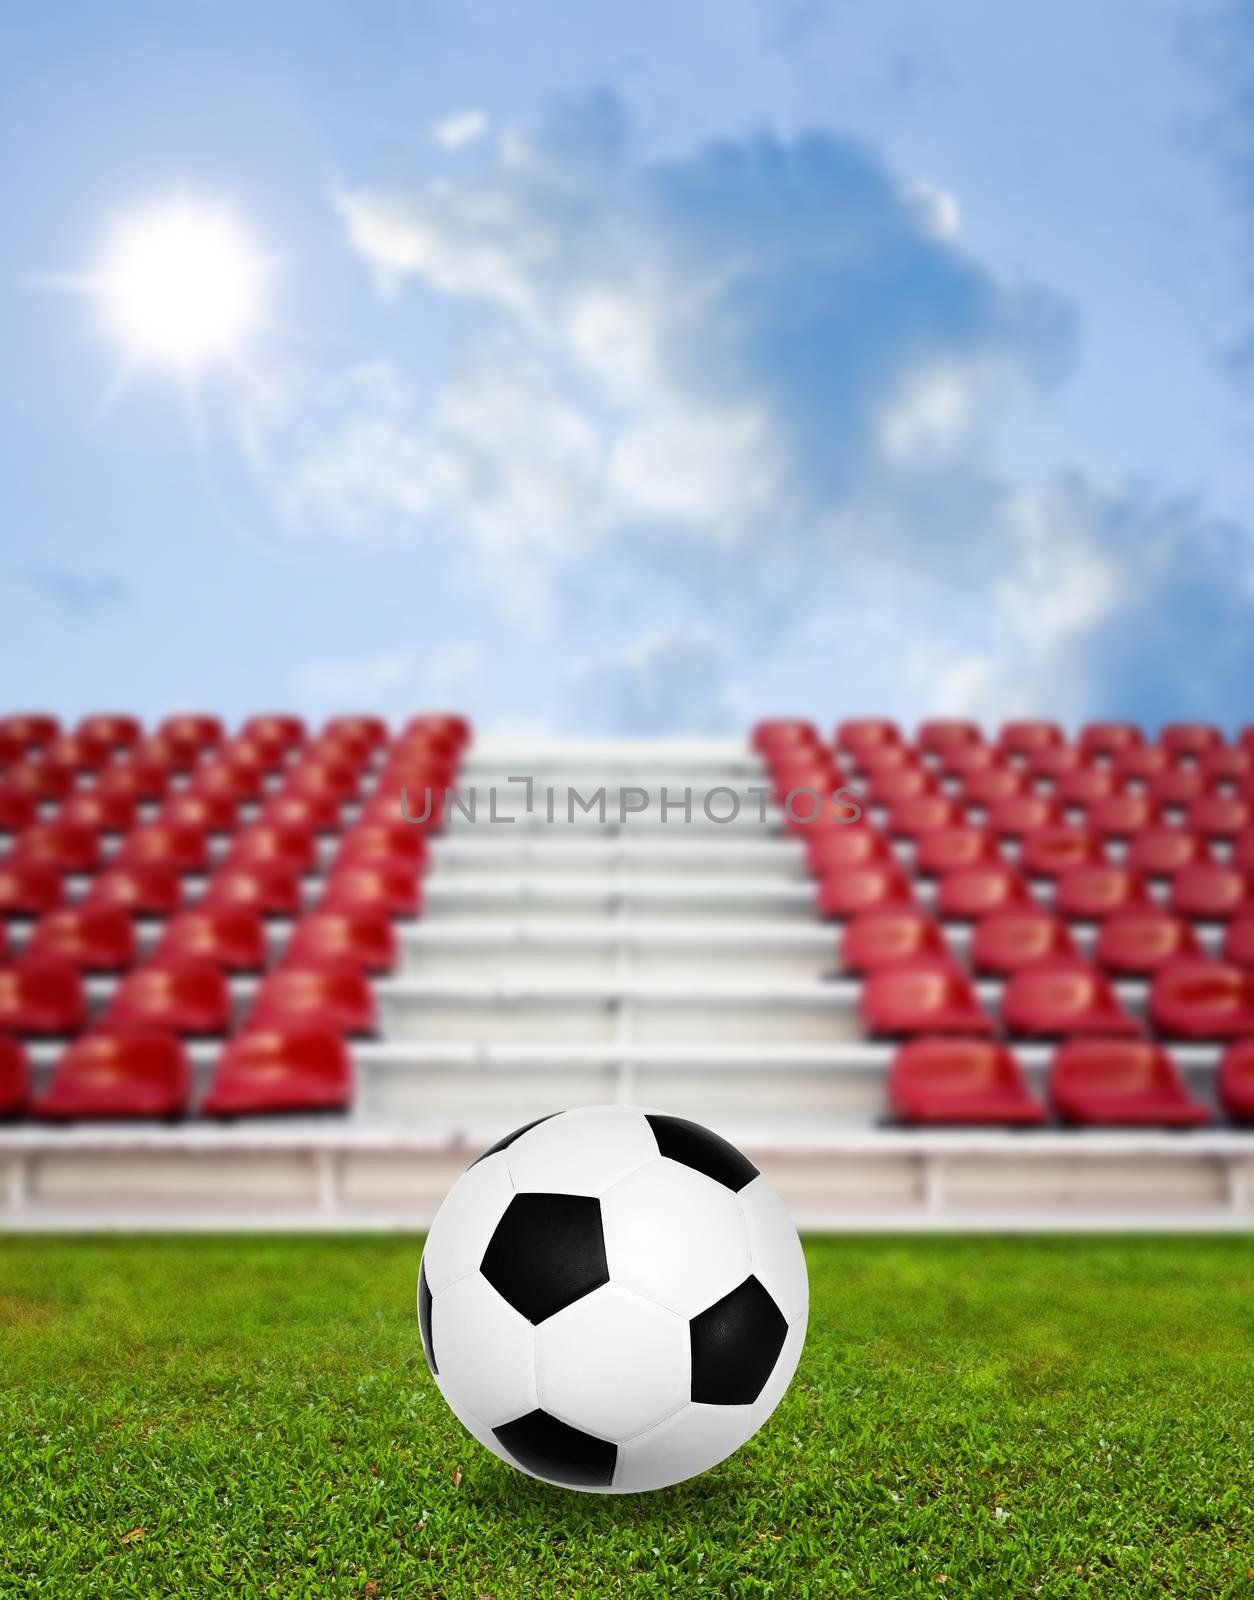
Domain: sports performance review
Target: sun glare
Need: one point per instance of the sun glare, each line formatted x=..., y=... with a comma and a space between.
x=182, y=286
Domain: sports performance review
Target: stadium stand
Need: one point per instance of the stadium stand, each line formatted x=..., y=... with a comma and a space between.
x=271, y=976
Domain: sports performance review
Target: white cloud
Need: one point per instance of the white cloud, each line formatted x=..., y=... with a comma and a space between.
x=461, y=129
x=739, y=406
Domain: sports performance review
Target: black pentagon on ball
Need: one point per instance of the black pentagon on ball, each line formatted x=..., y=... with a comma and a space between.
x=694, y=1146
x=547, y=1251
x=504, y=1144
x=424, y=1318
x=735, y=1345
x=553, y=1449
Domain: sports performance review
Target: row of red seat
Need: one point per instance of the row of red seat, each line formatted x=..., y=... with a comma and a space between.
x=1057, y=996
x=942, y=736
x=1092, y=892
x=1092, y=1082
x=147, y=1074
x=104, y=734
x=379, y=860
x=1133, y=943
x=44, y=997
x=203, y=780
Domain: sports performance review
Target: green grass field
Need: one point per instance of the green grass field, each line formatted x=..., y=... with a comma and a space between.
x=187, y=1417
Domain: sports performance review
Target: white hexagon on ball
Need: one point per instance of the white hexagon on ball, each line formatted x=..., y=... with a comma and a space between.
x=612, y=1299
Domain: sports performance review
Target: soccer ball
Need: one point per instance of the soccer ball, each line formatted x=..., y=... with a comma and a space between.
x=612, y=1300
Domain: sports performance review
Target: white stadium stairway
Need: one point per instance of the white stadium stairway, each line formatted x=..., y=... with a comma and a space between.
x=673, y=964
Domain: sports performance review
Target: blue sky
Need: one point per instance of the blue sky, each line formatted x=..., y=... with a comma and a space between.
x=643, y=368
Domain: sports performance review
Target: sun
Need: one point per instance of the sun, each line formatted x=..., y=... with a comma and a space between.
x=182, y=286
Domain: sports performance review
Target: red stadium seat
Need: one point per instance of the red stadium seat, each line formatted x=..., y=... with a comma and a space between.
x=915, y=815
x=928, y=994
x=363, y=939
x=894, y=784
x=439, y=724
x=39, y=996
x=1118, y=816
x=171, y=995
x=961, y=1081
x=1135, y=943
x=167, y=756
x=828, y=849
x=1243, y=850
x=63, y=846
x=75, y=756
x=1052, y=761
x=1063, y=995
x=942, y=733
x=1219, y=816
x=162, y=844
x=236, y=781
x=1209, y=891
x=1096, y=890
x=14, y=1078
x=110, y=730
x=784, y=733
x=1190, y=738
x=1108, y=738
x=1226, y=764
x=856, y=734
x=961, y=760
x=1239, y=941
x=1017, y=936
x=991, y=784
x=849, y=890
x=387, y=844
x=100, y=812
x=364, y=732
x=336, y=996
x=27, y=730
x=889, y=935
x=1084, y=785
x=232, y=938
x=118, y=1075
x=1020, y=814
x=28, y=888
x=275, y=732
x=93, y=939
x=192, y=731
x=205, y=813
x=1177, y=787
x=394, y=891
x=136, y=778
x=339, y=780
x=272, y=890
x=37, y=779
x=1202, y=999
x=945, y=849
x=265, y=846
x=1050, y=851
x=974, y=892
x=1021, y=738
x=1236, y=1081
x=318, y=813
x=882, y=757
x=151, y=890
x=1141, y=763
x=1159, y=850
x=250, y=756
x=1121, y=1083
x=275, y=1070
x=18, y=807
